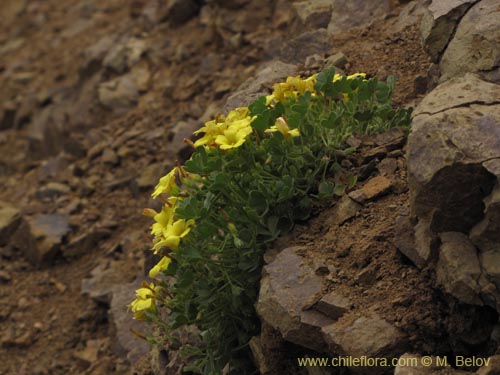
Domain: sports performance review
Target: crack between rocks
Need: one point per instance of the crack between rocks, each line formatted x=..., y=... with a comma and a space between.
x=489, y=69
x=465, y=105
x=452, y=35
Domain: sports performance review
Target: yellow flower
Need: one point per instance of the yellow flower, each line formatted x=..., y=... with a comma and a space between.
x=282, y=127
x=232, y=138
x=211, y=129
x=144, y=300
x=283, y=91
x=167, y=184
x=160, y=267
x=165, y=216
x=236, y=114
x=356, y=75
x=302, y=85
x=172, y=234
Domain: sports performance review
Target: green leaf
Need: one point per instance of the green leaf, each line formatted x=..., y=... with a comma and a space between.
x=326, y=190
x=339, y=189
x=258, y=106
x=324, y=80
x=258, y=202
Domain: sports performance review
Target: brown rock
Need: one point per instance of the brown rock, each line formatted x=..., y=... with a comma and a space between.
x=348, y=14
x=492, y=368
x=458, y=268
x=369, y=336
x=475, y=46
x=296, y=50
x=10, y=219
x=119, y=93
x=288, y=283
x=439, y=22
x=259, y=357
x=314, y=14
x=333, y=305
x=374, y=188
x=345, y=209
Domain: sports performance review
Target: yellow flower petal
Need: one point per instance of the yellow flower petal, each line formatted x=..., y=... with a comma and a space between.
x=161, y=266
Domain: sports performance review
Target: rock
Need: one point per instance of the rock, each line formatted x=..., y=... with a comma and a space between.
x=452, y=153
x=391, y=139
x=259, y=357
x=369, y=336
x=41, y=237
x=345, y=209
x=337, y=60
x=47, y=132
x=333, y=305
x=86, y=241
x=129, y=344
x=180, y=11
x=109, y=157
x=5, y=277
x=486, y=234
x=124, y=55
x=416, y=242
x=296, y=50
x=374, y=188
x=150, y=175
x=119, y=93
x=314, y=14
x=490, y=263
x=141, y=76
x=254, y=87
x=438, y=23
x=97, y=51
x=388, y=166
x=182, y=130
x=475, y=46
x=313, y=61
x=8, y=115
x=288, y=283
x=411, y=14
x=52, y=190
x=458, y=268
x=366, y=276
x=349, y=14
x=100, y=284
x=10, y=219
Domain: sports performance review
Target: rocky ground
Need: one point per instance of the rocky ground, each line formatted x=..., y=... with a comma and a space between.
x=96, y=100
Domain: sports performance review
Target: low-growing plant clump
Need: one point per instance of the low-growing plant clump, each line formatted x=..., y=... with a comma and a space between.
x=253, y=174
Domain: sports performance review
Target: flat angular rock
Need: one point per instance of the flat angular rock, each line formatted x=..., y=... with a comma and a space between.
x=333, y=305
x=439, y=22
x=345, y=209
x=475, y=46
x=100, y=284
x=451, y=150
x=374, y=188
x=458, y=268
x=490, y=263
x=10, y=218
x=314, y=14
x=348, y=14
x=369, y=336
x=296, y=50
x=119, y=93
x=287, y=286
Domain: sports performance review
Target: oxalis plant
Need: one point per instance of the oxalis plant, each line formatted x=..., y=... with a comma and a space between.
x=252, y=175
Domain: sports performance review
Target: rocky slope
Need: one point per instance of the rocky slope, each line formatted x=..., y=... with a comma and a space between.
x=96, y=100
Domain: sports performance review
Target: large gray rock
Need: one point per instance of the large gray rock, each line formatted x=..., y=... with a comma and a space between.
x=475, y=46
x=314, y=14
x=453, y=169
x=313, y=42
x=439, y=22
x=458, y=268
x=455, y=137
x=348, y=14
x=288, y=286
x=369, y=336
